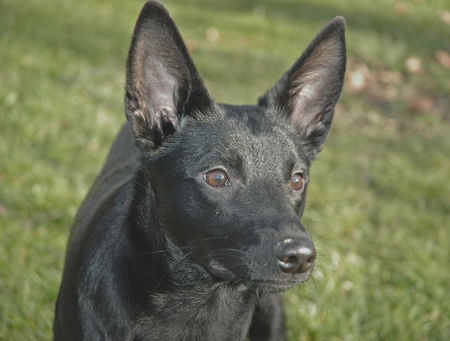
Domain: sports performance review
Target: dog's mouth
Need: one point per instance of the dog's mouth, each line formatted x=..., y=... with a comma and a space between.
x=270, y=285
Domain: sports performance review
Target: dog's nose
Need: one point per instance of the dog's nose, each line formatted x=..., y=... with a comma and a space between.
x=295, y=255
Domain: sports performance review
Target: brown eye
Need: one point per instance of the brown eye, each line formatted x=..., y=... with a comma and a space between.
x=297, y=181
x=216, y=178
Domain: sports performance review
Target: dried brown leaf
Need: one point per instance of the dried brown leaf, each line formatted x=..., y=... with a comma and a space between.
x=421, y=104
x=401, y=8
x=443, y=58
x=212, y=35
x=358, y=77
x=445, y=17
x=390, y=77
x=413, y=65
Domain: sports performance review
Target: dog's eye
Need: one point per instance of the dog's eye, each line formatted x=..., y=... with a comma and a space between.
x=297, y=181
x=216, y=178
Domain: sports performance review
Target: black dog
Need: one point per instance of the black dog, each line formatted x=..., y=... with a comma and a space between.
x=192, y=227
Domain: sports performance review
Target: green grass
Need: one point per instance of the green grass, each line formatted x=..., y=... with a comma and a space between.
x=378, y=204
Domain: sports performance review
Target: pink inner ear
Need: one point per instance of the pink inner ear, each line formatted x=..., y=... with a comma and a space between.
x=159, y=88
x=164, y=114
x=163, y=85
x=305, y=107
x=312, y=86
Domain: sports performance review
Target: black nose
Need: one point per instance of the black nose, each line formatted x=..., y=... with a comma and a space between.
x=295, y=255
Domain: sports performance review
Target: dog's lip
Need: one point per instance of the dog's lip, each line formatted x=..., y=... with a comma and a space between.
x=269, y=285
x=275, y=285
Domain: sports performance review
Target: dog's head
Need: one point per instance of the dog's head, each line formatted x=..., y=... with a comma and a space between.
x=230, y=181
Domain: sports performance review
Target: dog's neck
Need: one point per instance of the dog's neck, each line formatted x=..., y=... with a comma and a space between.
x=194, y=314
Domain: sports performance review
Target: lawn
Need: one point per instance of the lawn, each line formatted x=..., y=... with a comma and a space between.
x=378, y=206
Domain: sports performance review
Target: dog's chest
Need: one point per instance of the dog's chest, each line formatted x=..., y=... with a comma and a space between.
x=216, y=314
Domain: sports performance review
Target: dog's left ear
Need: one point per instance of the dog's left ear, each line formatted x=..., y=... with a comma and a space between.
x=309, y=91
x=163, y=84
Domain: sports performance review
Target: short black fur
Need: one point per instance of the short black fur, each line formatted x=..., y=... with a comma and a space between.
x=157, y=252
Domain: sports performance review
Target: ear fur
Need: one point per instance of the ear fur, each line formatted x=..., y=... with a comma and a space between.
x=309, y=91
x=163, y=84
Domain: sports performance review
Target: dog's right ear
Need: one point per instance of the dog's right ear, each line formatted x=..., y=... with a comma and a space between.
x=163, y=84
x=309, y=91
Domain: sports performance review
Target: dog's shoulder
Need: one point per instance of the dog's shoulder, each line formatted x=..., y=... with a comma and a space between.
x=112, y=187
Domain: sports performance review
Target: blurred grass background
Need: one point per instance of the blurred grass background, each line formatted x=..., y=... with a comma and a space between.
x=378, y=204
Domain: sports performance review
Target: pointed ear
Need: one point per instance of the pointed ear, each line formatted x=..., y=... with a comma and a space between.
x=163, y=84
x=309, y=91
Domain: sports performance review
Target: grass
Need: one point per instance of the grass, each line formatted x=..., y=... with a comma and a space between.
x=378, y=204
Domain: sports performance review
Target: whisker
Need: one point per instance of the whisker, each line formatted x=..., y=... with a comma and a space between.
x=154, y=252
x=218, y=251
